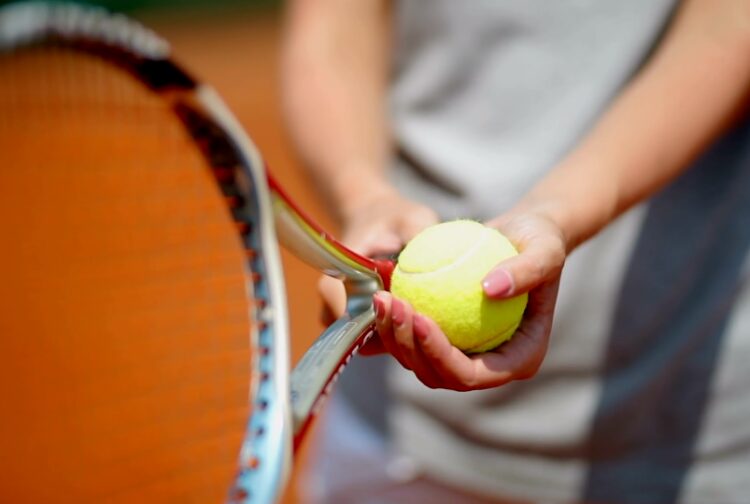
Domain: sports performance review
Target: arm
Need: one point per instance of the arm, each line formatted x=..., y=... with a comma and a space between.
x=335, y=68
x=690, y=91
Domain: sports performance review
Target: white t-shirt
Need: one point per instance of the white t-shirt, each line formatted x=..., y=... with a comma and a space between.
x=487, y=96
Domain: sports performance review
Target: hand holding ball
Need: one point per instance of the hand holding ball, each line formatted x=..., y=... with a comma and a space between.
x=440, y=273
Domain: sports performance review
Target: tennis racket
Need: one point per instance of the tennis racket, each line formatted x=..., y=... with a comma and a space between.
x=143, y=324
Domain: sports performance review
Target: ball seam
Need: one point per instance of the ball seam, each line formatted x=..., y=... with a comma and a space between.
x=486, y=234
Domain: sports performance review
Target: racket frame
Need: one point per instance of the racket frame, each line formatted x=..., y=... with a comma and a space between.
x=283, y=403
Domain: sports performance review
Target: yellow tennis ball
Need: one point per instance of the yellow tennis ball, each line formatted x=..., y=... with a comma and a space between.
x=440, y=274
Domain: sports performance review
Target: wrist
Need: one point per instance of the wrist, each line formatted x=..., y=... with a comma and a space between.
x=553, y=210
x=356, y=187
x=580, y=206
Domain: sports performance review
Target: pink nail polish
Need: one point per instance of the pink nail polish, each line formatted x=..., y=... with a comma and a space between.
x=498, y=283
x=397, y=312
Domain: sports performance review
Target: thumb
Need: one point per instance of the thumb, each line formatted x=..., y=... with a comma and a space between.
x=540, y=261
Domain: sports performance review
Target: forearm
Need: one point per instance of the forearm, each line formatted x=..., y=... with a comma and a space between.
x=334, y=73
x=696, y=83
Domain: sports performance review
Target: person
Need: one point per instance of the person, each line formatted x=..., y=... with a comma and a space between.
x=613, y=129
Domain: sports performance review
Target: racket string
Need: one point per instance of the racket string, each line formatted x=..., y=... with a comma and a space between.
x=139, y=269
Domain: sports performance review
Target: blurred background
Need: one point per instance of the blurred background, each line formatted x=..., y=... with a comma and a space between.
x=234, y=46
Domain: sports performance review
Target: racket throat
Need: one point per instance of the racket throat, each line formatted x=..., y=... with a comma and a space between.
x=314, y=376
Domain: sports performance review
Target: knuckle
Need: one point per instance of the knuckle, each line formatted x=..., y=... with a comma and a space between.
x=547, y=264
x=557, y=254
x=537, y=267
x=468, y=381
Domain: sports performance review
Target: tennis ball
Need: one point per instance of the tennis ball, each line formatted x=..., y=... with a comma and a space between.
x=440, y=273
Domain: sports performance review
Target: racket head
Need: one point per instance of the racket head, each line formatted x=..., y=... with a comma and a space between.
x=142, y=305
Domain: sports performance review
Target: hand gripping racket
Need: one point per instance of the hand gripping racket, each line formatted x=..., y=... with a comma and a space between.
x=143, y=325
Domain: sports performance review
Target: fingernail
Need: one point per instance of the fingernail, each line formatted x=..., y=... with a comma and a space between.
x=421, y=327
x=397, y=312
x=497, y=283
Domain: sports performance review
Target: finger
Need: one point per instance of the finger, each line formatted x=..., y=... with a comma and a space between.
x=517, y=359
x=402, y=316
x=542, y=301
x=521, y=357
x=374, y=241
x=334, y=298
x=327, y=317
x=374, y=346
x=384, y=325
x=454, y=368
x=539, y=261
x=419, y=218
x=536, y=326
